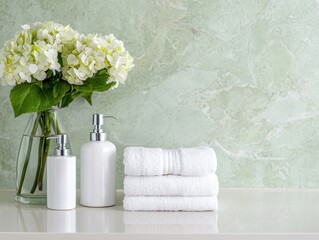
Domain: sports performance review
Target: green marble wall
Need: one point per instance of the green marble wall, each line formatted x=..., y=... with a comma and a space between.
x=240, y=76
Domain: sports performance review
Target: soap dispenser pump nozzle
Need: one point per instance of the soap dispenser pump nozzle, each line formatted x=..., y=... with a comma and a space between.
x=98, y=134
x=61, y=140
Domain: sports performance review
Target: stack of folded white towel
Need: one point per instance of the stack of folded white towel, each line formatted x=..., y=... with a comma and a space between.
x=181, y=179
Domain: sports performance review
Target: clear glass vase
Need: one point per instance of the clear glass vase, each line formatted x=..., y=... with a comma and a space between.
x=33, y=152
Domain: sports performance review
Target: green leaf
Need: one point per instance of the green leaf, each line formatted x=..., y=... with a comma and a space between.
x=60, y=61
x=47, y=87
x=87, y=97
x=49, y=73
x=60, y=88
x=69, y=97
x=97, y=83
x=29, y=97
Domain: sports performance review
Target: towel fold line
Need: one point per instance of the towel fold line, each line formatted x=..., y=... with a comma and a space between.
x=171, y=186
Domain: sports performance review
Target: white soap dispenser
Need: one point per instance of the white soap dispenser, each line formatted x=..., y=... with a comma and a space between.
x=98, y=168
x=61, y=177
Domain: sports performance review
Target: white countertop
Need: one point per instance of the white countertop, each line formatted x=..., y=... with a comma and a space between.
x=241, y=211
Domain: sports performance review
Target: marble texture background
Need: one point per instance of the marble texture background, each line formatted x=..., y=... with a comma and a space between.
x=238, y=75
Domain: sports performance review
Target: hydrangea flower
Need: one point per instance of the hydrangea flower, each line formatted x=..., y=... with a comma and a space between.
x=118, y=61
x=34, y=51
x=93, y=53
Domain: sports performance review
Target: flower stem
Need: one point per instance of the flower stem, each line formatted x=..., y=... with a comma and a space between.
x=40, y=158
x=48, y=120
x=43, y=163
x=58, y=130
x=27, y=157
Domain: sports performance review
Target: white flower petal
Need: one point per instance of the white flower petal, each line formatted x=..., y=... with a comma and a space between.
x=55, y=66
x=40, y=76
x=72, y=60
x=25, y=77
x=84, y=59
x=1, y=69
x=25, y=26
x=33, y=68
x=78, y=73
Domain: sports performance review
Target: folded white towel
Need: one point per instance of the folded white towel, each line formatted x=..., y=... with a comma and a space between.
x=142, y=203
x=140, y=161
x=171, y=186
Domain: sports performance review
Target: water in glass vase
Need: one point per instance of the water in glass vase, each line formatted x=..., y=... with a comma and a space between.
x=31, y=164
x=31, y=186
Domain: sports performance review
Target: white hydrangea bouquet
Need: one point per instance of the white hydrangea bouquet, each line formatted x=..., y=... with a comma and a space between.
x=49, y=65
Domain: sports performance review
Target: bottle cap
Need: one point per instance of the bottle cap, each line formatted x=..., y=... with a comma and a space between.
x=61, y=140
x=98, y=134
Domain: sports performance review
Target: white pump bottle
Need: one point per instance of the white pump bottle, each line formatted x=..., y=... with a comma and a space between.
x=61, y=177
x=98, y=168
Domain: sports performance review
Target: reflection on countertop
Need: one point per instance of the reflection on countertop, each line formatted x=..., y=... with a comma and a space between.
x=170, y=222
x=240, y=211
x=16, y=217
